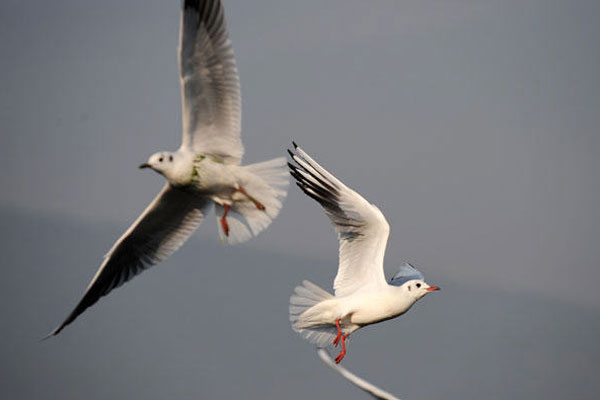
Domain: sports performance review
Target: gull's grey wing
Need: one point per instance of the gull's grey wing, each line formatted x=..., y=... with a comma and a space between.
x=209, y=83
x=362, y=229
x=373, y=390
x=161, y=229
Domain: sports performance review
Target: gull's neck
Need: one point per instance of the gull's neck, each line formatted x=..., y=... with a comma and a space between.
x=399, y=299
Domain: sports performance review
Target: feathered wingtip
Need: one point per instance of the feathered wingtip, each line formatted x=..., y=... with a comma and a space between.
x=52, y=334
x=48, y=336
x=406, y=273
x=291, y=153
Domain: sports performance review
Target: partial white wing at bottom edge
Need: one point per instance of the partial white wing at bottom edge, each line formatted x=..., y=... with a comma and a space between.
x=355, y=380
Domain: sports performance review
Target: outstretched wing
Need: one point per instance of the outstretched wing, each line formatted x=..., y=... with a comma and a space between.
x=209, y=83
x=362, y=229
x=161, y=229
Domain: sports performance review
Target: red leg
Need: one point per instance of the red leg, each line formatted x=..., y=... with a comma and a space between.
x=343, y=352
x=336, y=341
x=224, y=223
x=257, y=203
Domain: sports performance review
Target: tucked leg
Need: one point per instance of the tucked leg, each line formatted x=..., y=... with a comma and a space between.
x=224, y=223
x=343, y=352
x=257, y=203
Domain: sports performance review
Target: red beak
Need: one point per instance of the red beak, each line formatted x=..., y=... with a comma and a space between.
x=432, y=288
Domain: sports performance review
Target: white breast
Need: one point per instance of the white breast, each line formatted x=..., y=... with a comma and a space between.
x=374, y=306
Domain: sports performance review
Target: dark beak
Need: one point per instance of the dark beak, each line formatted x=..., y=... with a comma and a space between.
x=144, y=165
x=432, y=288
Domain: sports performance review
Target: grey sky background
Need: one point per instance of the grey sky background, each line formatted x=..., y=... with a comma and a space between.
x=473, y=125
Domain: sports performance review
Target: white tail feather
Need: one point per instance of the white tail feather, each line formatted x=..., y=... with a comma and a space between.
x=265, y=181
x=305, y=297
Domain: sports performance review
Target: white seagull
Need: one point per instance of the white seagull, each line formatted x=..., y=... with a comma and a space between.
x=205, y=170
x=362, y=295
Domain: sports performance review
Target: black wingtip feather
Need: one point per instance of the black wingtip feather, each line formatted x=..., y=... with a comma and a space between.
x=51, y=334
x=195, y=4
x=320, y=189
x=326, y=192
x=324, y=188
x=326, y=184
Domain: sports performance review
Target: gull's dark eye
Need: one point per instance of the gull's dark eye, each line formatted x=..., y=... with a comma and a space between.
x=170, y=158
x=418, y=285
x=160, y=159
x=409, y=288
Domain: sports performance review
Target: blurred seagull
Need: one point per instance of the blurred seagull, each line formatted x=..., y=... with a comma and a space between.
x=205, y=170
x=362, y=295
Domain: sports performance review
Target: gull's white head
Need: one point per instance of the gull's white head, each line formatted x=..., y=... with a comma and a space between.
x=412, y=281
x=417, y=288
x=163, y=162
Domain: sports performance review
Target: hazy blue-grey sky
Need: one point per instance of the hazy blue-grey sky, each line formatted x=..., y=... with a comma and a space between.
x=473, y=125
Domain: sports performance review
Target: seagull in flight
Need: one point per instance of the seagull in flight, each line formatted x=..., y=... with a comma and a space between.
x=204, y=171
x=362, y=295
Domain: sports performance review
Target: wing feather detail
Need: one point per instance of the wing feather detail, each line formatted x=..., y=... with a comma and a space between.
x=361, y=227
x=161, y=229
x=210, y=86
